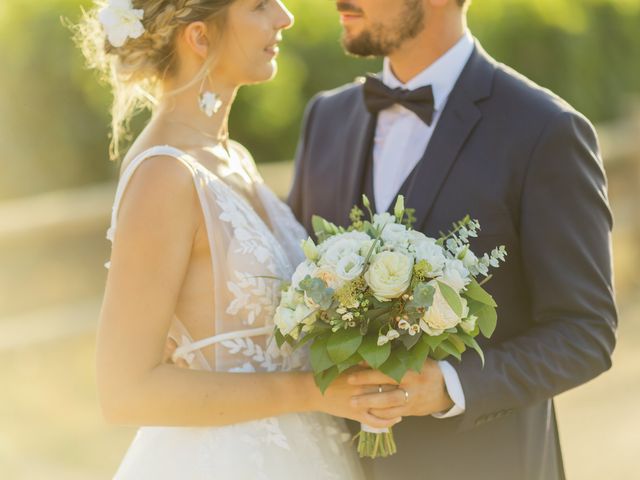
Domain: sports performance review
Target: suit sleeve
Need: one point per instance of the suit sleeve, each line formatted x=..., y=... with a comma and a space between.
x=295, y=198
x=565, y=238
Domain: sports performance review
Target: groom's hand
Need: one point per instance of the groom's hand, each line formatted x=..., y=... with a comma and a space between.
x=426, y=393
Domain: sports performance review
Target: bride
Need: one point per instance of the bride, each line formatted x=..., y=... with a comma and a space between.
x=184, y=346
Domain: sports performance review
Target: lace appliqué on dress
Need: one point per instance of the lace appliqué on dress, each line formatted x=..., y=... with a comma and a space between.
x=254, y=297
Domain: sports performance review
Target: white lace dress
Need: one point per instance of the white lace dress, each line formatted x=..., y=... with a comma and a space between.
x=245, y=252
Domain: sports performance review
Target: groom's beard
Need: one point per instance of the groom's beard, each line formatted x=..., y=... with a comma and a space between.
x=380, y=40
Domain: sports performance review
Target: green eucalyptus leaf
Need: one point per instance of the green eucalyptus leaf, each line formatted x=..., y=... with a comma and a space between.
x=353, y=360
x=439, y=354
x=452, y=298
x=423, y=295
x=472, y=343
x=307, y=338
x=418, y=355
x=343, y=343
x=487, y=320
x=479, y=294
x=318, y=291
x=394, y=367
x=324, y=379
x=433, y=342
x=319, y=356
x=457, y=343
x=409, y=341
x=450, y=349
x=372, y=353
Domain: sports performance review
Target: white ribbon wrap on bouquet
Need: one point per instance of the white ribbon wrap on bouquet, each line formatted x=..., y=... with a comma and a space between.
x=368, y=429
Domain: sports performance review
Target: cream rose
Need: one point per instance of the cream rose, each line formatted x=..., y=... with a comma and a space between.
x=389, y=275
x=329, y=276
x=440, y=316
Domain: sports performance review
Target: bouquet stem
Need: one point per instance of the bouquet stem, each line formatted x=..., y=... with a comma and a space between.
x=375, y=443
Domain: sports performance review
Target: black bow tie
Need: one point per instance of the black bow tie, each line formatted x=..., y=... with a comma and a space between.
x=377, y=97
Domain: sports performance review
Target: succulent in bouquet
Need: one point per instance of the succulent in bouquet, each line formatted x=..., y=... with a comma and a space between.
x=381, y=293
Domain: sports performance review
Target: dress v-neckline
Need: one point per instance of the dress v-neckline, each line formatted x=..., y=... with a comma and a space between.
x=267, y=223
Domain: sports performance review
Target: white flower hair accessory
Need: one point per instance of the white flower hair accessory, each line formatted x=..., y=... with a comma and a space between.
x=121, y=21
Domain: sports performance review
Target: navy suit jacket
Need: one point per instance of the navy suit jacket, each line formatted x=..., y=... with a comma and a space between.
x=527, y=166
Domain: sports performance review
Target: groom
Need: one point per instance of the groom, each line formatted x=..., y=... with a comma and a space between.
x=457, y=133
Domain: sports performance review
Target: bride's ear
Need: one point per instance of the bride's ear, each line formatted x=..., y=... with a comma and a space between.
x=196, y=36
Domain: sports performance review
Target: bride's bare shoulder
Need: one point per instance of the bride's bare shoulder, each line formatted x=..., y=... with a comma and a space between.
x=160, y=181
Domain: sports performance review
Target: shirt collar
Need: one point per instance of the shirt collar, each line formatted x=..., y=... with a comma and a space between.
x=442, y=75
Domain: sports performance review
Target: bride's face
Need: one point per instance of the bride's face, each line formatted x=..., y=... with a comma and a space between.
x=253, y=31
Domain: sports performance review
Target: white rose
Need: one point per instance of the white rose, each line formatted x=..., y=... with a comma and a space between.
x=440, y=316
x=456, y=275
x=350, y=266
x=416, y=237
x=396, y=236
x=357, y=237
x=427, y=249
x=305, y=268
x=342, y=246
x=389, y=275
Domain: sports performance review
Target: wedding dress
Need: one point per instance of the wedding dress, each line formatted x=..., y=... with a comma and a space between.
x=247, y=253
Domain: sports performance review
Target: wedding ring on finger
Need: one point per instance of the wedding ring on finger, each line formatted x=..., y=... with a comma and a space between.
x=406, y=395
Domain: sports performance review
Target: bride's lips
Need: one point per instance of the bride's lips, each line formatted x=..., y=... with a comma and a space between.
x=273, y=49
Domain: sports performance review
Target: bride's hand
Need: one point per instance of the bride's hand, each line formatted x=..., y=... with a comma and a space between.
x=339, y=400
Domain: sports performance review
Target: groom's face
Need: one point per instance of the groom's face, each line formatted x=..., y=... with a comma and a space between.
x=379, y=27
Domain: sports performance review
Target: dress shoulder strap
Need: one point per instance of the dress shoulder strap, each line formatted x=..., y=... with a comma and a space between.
x=160, y=150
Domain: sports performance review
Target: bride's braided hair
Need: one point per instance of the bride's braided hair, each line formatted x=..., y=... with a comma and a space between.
x=134, y=70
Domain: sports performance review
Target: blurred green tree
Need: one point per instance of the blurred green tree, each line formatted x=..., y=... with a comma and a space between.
x=53, y=113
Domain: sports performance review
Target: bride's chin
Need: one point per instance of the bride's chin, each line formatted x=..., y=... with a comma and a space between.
x=265, y=73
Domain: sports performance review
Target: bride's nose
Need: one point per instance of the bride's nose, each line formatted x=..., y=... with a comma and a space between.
x=285, y=18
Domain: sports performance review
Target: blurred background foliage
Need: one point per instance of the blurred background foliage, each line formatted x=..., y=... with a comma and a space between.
x=54, y=115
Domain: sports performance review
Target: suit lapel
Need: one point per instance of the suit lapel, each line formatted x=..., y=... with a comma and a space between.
x=458, y=119
x=363, y=126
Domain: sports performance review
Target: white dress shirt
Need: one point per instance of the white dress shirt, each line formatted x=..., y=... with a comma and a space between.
x=400, y=141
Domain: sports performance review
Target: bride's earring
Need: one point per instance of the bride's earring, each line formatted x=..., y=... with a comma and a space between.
x=210, y=102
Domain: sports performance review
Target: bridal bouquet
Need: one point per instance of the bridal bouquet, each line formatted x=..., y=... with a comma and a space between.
x=382, y=293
